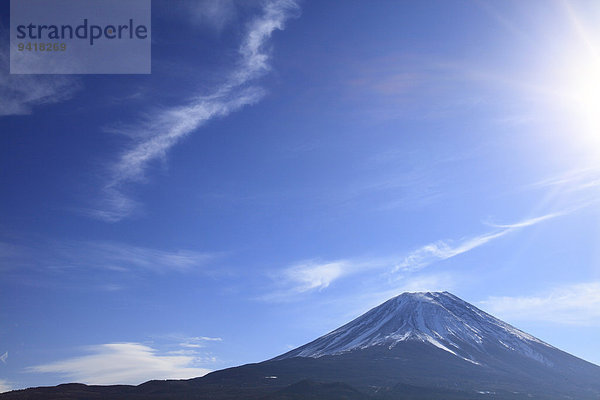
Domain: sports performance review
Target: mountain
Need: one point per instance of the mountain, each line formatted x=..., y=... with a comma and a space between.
x=414, y=346
x=440, y=319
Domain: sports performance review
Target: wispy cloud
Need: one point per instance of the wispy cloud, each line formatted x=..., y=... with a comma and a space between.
x=575, y=304
x=215, y=14
x=164, y=128
x=573, y=181
x=114, y=256
x=208, y=339
x=530, y=221
x=444, y=249
x=123, y=363
x=19, y=94
x=195, y=342
x=313, y=275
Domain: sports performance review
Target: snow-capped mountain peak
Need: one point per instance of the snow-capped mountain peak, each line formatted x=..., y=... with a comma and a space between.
x=437, y=318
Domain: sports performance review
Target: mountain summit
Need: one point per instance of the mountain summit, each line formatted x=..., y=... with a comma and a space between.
x=429, y=345
x=437, y=318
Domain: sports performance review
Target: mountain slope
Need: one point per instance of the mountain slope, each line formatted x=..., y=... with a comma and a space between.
x=309, y=390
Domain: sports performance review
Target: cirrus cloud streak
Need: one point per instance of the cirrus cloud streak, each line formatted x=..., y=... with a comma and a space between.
x=314, y=275
x=162, y=129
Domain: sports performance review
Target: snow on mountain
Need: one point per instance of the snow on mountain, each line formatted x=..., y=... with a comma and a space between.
x=437, y=318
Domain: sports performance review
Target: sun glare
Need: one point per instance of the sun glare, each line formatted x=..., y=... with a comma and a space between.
x=577, y=83
x=582, y=94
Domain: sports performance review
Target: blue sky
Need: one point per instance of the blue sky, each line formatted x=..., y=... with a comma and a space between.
x=286, y=167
